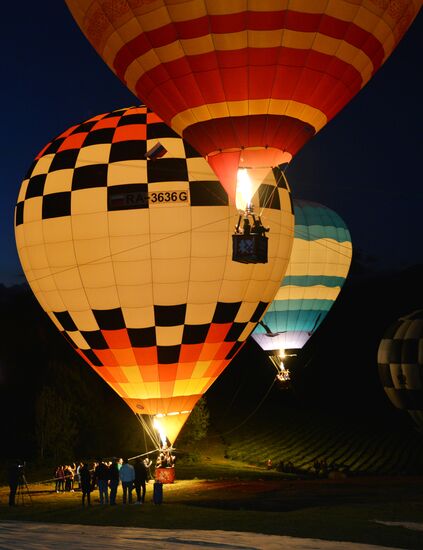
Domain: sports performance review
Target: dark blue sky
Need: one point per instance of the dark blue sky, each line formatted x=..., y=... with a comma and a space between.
x=365, y=164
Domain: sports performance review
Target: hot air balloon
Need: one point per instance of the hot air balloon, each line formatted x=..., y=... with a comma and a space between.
x=319, y=264
x=245, y=82
x=124, y=234
x=400, y=364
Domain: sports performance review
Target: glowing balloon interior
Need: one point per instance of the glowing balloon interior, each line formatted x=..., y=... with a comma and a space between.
x=246, y=82
x=131, y=258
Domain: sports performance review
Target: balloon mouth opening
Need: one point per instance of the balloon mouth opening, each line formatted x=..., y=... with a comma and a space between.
x=159, y=424
x=233, y=165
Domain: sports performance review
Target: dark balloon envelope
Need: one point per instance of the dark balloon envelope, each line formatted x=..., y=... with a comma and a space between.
x=400, y=363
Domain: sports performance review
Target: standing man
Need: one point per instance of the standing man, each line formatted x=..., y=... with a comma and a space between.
x=101, y=475
x=85, y=482
x=15, y=476
x=141, y=476
x=114, y=480
x=127, y=476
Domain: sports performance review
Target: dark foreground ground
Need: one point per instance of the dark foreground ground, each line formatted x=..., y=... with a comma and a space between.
x=378, y=510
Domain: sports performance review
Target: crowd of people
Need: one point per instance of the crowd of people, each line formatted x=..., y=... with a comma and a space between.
x=321, y=467
x=105, y=476
x=66, y=476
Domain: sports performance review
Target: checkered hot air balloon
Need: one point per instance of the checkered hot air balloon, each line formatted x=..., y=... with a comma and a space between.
x=319, y=264
x=246, y=82
x=130, y=256
x=400, y=363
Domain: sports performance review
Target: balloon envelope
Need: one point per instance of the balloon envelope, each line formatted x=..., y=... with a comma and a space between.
x=400, y=364
x=246, y=82
x=319, y=264
x=131, y=258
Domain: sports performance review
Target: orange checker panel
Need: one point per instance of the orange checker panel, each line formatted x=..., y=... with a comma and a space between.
x=152, y=117
x=105, y=375
x=149, y=373
x=106, y=357
x=216, y=368
x=130, y=132
x=110, y=122
x=224, y=349
x=168, y=372
x=185, y=371
x=189, y=352
x=166, y=389
x=140, y=110
x=145, y=356
x=74, y=141
x=117, y=339
x=113, y=375
x=118, y=374
x=217, y=332
x=209, y=351
x=68, y=131
x=124, y=357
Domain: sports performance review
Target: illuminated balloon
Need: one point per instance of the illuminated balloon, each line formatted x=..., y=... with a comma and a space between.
x=131, y=258
x=319, y=264
x=400, y=363
x=246, y=82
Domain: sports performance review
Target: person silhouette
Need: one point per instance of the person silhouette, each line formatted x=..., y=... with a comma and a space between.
x=141, y=476
x=15, y=473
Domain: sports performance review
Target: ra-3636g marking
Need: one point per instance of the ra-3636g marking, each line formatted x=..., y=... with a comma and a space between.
x=122, y=200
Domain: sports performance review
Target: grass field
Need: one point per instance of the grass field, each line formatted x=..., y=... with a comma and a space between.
x=230, y=488
x=227, y=495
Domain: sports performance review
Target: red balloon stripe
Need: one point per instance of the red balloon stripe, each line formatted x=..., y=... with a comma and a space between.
x=256, y=21
x=334, y=82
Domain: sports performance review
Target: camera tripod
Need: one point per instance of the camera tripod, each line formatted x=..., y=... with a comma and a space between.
x=23, y=491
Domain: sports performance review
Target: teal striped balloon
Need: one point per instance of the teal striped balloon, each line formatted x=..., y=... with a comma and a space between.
x=319, y=264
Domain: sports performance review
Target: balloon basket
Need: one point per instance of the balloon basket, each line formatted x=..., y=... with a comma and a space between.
x=165, y=475
x=249, y=249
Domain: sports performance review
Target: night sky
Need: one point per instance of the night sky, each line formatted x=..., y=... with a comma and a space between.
x=365, y=164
